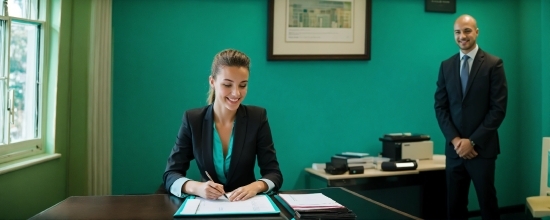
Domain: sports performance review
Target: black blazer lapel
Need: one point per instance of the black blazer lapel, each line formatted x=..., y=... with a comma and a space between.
x=241, y=122
x=478, y=61
x=207, y=148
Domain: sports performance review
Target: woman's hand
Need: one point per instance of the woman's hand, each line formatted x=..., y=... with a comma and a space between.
x=246, y=192
x=207, y=190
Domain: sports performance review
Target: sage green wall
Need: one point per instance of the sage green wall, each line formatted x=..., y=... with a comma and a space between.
x=28, y=191
x=78, y=82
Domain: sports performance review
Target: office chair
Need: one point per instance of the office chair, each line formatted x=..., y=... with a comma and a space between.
x=161, y=190
x=539, y=206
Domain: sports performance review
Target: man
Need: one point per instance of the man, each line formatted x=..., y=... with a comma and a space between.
x=470, y=105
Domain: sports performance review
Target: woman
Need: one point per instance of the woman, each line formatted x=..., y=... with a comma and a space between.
x=225, y=138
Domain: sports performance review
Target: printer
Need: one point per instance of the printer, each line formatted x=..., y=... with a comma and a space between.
x=399, y=146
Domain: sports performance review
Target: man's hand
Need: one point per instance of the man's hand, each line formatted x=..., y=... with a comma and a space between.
x=465, y=149
x=456, y=142
x=246, y=192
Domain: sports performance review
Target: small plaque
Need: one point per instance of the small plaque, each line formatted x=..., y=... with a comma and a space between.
x=446, y=6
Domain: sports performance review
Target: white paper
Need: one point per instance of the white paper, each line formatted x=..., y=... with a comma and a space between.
x=256, y=204
x=309, y=201
x=190, y=207
x=223, y=197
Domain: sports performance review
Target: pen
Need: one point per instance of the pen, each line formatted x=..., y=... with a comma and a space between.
x=209, y=177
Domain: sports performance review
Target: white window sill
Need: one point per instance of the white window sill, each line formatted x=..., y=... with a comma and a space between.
x=26, y=162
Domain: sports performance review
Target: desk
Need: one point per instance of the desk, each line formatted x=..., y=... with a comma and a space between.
x=421, y=192
x=162, y=206
x=363, y=207
x=156, y=206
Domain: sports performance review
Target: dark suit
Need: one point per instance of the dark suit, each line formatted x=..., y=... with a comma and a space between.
x=252, y=138
x=475, y=115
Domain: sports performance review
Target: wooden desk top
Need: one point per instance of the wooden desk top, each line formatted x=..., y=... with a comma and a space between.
x=162, y=206
x=155, y=206
x=437, y=163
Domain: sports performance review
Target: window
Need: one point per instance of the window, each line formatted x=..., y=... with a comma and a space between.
x=21, y=78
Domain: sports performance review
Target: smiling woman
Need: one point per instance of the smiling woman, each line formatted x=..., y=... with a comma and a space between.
x=223, y=135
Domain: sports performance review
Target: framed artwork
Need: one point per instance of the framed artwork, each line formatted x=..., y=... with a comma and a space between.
x=319, y=30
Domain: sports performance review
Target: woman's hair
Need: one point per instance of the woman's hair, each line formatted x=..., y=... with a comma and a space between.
x=227, y=57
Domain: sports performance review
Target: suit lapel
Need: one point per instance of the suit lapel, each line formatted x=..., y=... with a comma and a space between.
x=480, y=57
x=207, y=148
x=241, y=122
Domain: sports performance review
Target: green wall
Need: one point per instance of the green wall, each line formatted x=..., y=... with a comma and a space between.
x=78, y=151
x=343, y=105
x=533, y=92
x=163, y=51
x=545, y=57
x=28, y=191
x=545, y=34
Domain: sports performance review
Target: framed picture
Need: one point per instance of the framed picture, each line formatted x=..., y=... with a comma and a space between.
x=319, y=30
x=446, y=6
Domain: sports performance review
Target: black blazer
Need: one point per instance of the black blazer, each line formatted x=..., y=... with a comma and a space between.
x=478, y=113
x=252, y=138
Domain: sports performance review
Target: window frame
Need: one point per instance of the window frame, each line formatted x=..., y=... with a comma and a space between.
x=11, y=152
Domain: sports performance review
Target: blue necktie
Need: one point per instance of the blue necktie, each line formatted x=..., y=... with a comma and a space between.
x=464, y=73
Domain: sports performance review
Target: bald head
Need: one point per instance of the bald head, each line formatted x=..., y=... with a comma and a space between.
x=466, y=32
x=466, y=19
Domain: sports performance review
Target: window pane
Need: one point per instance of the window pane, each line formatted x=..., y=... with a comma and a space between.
x=23, y=9
x=23, y=81
x=3, y=85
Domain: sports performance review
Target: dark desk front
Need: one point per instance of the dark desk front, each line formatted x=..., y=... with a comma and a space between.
x=161, y=206
x=420, y=192
x=363, y=207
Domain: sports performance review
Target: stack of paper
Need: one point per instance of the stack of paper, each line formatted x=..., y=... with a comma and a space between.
x=355, y=154
x=309, y=201
x=316, y=206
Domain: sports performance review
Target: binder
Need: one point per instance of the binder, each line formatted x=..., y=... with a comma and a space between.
x=257, y=205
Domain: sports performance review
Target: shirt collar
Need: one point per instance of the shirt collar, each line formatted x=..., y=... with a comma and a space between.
x=471, y=54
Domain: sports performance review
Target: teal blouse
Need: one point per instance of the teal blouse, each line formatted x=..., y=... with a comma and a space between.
x=222, y=164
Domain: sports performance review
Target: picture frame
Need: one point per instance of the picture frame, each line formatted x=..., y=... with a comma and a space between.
x=444, y=6
x=313, y=30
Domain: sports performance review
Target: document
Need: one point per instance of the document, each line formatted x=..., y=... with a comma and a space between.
x=259, y=204
x=310, y=201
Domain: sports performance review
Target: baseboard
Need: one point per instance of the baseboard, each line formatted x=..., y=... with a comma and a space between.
x=502, y=210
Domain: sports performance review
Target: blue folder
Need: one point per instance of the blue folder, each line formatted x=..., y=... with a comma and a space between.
x=179, y=214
